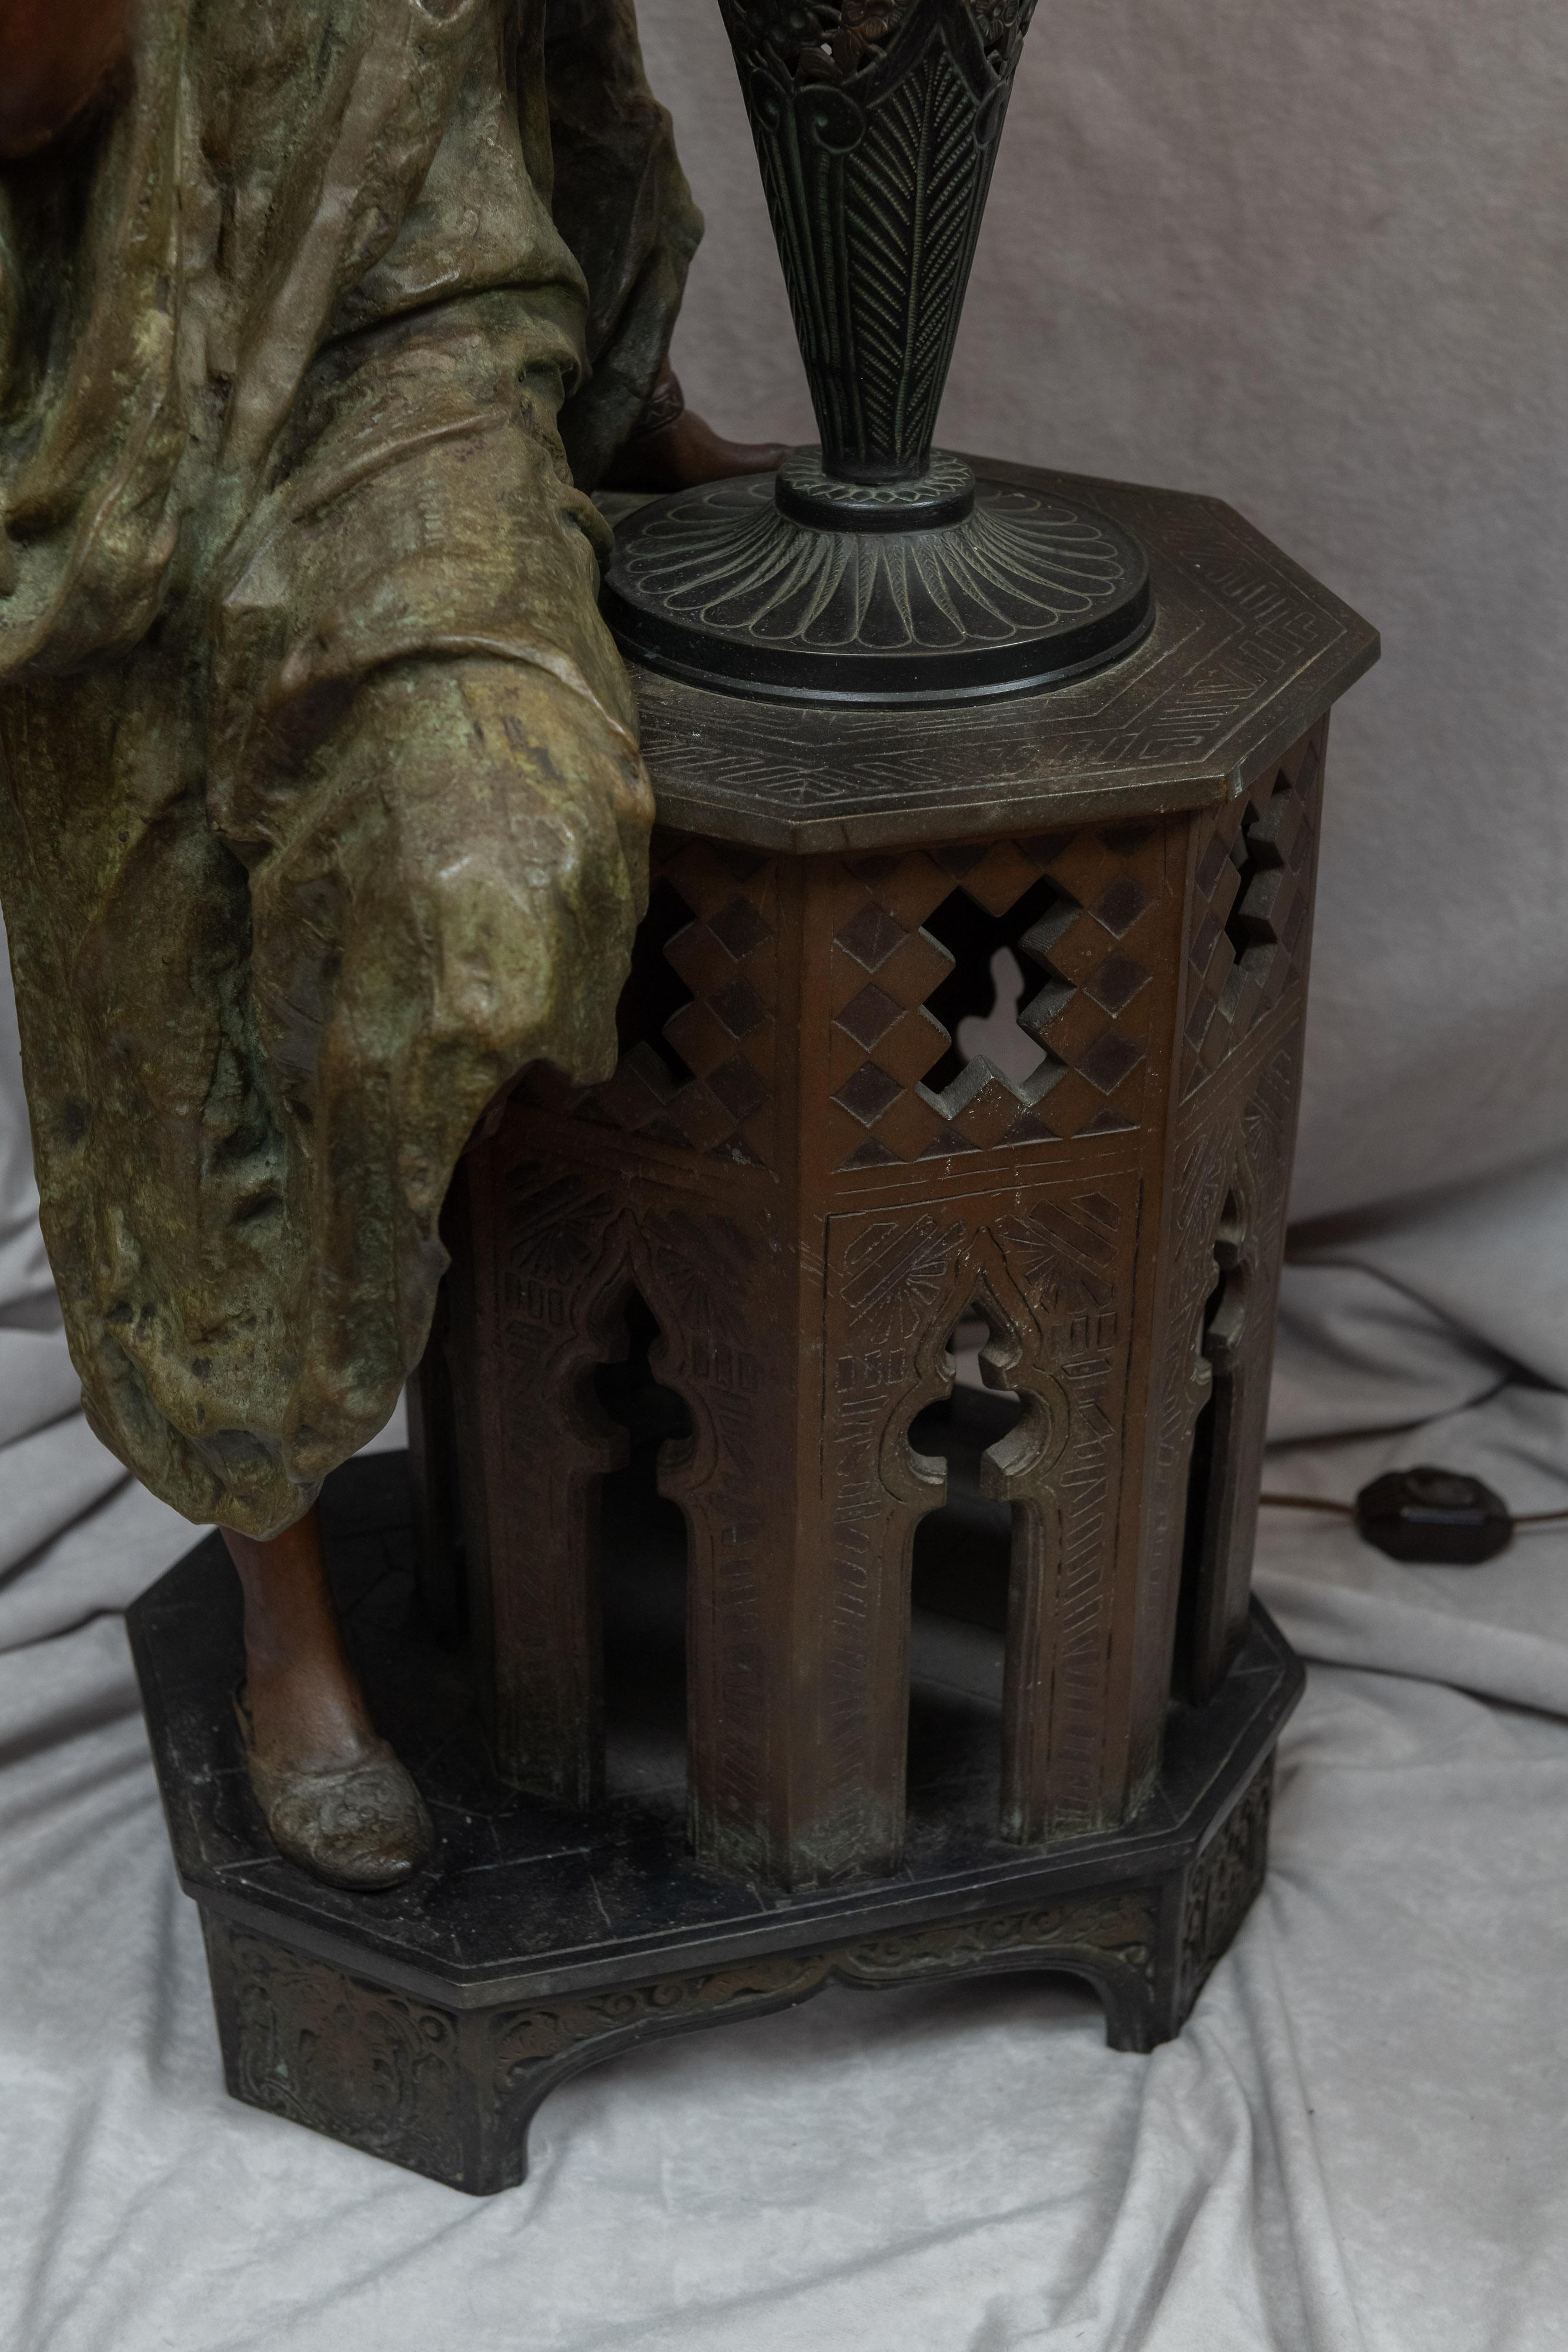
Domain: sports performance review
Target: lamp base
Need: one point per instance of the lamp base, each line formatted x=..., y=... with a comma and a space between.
x=425, y=2024
x=934, y=590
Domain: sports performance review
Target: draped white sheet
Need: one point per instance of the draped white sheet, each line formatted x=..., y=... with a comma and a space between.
x=1312, y=260
x=1359, y=2141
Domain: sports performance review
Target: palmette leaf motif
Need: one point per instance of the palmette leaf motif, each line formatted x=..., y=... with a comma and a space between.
x=912, y=212
x=1019, y=564
x=876, y=129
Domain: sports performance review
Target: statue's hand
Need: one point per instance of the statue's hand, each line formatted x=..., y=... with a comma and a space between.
x=455, y=898
x=672, y=448
x=54, y=58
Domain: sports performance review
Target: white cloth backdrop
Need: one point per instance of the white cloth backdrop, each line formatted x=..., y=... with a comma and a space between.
x=1313, y=259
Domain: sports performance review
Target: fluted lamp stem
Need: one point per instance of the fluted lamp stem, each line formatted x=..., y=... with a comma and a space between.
x=873, y=569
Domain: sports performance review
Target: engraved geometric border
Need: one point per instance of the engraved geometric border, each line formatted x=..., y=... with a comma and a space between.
x=1247, y=652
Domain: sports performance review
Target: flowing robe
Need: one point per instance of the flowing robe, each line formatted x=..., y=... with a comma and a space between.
x=320, y=807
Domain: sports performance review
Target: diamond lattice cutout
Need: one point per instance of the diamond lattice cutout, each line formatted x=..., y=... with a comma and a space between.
x=696, y=1017
x=1253, y=888
x=1010, y=1001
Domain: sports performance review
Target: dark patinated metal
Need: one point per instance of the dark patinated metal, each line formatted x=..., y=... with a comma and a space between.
x=425, y=2025
x=730, y=587
x=1246, y=651
x=876, y=570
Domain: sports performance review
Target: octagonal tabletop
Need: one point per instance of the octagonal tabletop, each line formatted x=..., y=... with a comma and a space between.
x=1247, y=650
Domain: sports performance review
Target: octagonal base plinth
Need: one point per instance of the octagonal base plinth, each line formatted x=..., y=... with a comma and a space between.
x=426, y=2025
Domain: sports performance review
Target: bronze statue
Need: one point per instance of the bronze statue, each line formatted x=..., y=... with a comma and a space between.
x=323, y=812
x=304, y=611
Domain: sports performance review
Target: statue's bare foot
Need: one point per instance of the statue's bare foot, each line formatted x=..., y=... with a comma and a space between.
x=672, y=448
x=334, y=1796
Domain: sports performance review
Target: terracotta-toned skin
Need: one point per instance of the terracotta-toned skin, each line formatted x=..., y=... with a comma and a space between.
x=306, y=1710
x=54, y=57
x=685, y=450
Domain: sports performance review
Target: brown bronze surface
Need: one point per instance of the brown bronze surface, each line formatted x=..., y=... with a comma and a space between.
x=803, y=1180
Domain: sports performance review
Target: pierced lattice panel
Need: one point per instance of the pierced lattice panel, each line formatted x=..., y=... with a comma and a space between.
x=1252, y=911
x=698, y=1015
x=1083, y=930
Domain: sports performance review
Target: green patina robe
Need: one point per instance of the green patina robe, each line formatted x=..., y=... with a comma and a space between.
x=320, y=809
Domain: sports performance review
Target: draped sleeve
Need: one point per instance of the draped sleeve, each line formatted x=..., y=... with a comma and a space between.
x=625, y=208
x=320, y=807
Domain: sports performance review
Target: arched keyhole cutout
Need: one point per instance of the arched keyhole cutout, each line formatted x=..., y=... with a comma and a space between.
x=642, y=1571
x=962, y=1564
x=1210, y=1473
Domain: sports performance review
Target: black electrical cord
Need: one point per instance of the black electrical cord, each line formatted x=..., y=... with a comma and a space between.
x=1348, y=1510
x=1434, y=1518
